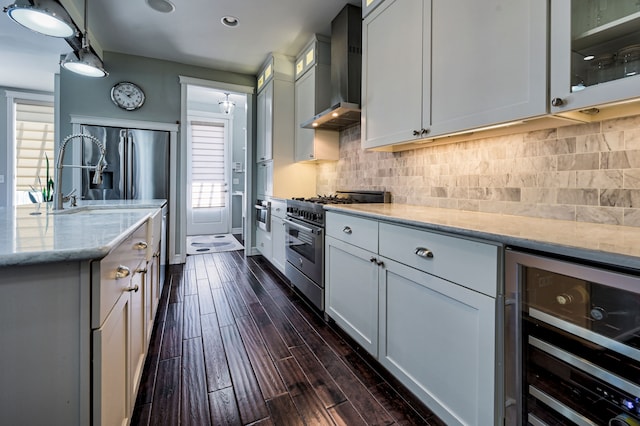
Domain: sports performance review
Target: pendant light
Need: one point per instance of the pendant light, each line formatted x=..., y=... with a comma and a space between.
x=47, y=17
x=84, y=62
x=226, y=105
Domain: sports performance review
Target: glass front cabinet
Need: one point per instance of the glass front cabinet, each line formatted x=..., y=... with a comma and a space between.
x=595, y=53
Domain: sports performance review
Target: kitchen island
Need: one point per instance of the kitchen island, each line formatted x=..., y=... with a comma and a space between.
x=78, y=293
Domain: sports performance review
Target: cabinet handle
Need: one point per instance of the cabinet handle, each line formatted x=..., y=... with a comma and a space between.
x=156, y=254
x=557, y=102
x=373, y=260
x=424, y=132
x=424, y=252
x=122, y=272
x=141, y=245
x=347, y=230
x=416, y=133
x=134, y=288
x=141, y=271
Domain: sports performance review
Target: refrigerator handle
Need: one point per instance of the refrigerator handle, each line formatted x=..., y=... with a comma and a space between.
x=123, y=167
x=132, y=161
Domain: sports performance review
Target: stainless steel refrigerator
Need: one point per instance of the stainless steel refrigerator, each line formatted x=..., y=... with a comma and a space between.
x=137, y=164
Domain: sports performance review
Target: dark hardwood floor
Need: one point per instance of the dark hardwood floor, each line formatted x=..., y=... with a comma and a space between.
x=234, y=345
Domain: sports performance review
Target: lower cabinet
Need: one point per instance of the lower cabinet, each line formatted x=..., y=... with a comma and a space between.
x=263, y=243
x=438, y=339
x=351, y=299
x=436, y=336
x=110, y=370
x=278, y=241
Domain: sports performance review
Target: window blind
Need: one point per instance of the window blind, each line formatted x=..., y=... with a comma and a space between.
x=207, y=165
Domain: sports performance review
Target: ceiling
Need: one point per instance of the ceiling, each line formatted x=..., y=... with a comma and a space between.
x=192, y=34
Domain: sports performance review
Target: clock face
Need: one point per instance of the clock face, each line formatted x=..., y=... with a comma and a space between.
x=127, y=95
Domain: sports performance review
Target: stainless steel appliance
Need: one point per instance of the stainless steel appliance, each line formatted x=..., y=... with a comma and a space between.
x=137, y=164
x=572, y=346
x=263, y=215
x=304, y=228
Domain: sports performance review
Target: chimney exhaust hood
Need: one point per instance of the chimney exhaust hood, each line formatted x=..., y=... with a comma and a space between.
x=346, y=72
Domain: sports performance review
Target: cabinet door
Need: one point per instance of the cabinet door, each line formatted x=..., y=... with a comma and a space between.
x=264, y=244
x=351, y=286
x=264, y=131
x=603, y=29
x=138, y=324
x=265, y=179
x=489, y=67
x=278, y=237
x=438, y=339
x=305, y=88
x=111, y=397
x=395, y=72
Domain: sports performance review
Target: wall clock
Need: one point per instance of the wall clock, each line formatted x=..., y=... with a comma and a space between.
x=127, y=95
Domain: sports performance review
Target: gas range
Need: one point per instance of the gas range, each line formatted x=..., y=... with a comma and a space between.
x=304, y=229
x=311, y=210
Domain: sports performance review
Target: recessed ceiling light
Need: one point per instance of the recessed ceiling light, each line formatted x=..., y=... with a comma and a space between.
x=164, y=6
x=229, y=21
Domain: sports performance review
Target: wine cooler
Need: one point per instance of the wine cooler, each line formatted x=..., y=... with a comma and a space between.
x=572, y=343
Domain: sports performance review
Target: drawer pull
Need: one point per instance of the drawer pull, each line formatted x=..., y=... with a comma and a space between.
x=347, y=230
x=424, y=252
x=142, y=245
x=134, y=288
x=373, y=260
x=141, y=271
x=376, y=261
x=122, y=272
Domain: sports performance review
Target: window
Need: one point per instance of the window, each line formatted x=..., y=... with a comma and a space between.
x=34, y=144
x=207, y=165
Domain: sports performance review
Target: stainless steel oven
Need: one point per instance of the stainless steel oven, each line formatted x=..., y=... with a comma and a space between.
x=304, y=254
x=263, y=215
x=572, y=346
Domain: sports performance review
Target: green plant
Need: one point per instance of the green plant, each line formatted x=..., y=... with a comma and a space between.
x=47, y=190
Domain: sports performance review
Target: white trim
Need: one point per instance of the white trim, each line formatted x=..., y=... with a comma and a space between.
x=124, y=122
x=237, y=88
x=12, y=96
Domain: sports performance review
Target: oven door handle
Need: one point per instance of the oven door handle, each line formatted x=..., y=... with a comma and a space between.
x=295, y=225
x=259, y=207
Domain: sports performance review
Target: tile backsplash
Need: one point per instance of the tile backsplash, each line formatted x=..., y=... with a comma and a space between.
x=585, y=172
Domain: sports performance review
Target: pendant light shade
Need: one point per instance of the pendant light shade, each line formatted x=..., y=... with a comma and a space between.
x=43, y=16
x=84, y=62
x=226, y=105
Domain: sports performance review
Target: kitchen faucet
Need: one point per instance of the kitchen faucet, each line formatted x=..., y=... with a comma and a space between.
x=59, y=198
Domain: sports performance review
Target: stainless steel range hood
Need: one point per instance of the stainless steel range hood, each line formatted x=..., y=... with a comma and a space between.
x=346, y=72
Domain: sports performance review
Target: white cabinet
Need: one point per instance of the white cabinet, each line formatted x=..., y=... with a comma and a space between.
x=424, y=304
x=583, y=28
x=278, y=235
x=351, y=297
x=456, y=66
x=438, y=339
x=488, y=63
x=264, y=131
x=263, y=243
x=368, y=6
x=395, y=102
x=312, y=96
x=275, y=133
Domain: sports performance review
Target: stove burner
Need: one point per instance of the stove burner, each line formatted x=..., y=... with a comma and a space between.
x=327, y=199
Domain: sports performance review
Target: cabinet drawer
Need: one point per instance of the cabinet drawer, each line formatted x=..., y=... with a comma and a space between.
x=109, y=276
x=353, y=230
x=469, y=263
x=278, y=207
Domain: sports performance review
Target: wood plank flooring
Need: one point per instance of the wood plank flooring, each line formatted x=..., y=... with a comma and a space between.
x=234, y=345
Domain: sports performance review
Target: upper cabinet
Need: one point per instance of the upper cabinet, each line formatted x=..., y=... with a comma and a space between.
x=456, y=66
x=368, y=6
x=312, y=96
x=395, y=102
x=595, y=53
x=278, y=175
x=488, y=63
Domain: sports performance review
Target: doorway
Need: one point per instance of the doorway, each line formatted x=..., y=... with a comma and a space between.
x=208, y=197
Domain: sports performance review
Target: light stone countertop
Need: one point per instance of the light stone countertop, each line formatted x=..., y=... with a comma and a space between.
x=610, y=244
x=27, y=238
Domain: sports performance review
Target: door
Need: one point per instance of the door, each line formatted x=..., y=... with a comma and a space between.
x=148, y=165
x=208, y=198
x=112, y=186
